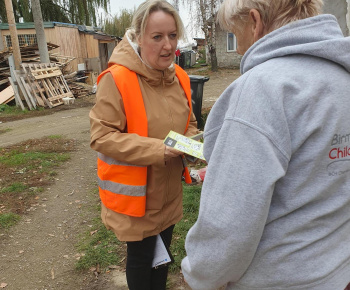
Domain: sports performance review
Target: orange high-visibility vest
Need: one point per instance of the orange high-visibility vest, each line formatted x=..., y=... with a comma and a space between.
x=122, y=186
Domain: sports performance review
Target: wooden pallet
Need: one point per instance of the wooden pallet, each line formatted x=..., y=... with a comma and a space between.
x=47, y=82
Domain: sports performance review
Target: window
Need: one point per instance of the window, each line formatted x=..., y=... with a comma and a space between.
x=23, y=39
x=231, y=42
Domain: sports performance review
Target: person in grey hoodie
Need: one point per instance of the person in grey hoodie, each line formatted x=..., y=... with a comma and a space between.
x=275, y=204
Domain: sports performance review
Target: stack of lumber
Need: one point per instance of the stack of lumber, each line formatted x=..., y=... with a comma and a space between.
x=31, y=54
x=40, y=85
x=4, y=69
x=78, y=91
x=7, y=95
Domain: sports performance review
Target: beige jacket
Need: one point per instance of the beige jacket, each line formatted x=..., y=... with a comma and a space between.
x=167, y=109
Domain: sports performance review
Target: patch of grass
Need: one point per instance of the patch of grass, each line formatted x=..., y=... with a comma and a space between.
x=191, y=197
x=32, y=159
x=2, y=131
x=99, y=247
x=6, y=109
x=10, y=112
x=8, y=219
x=55, y=137
x=15, y=187
x=27, y=168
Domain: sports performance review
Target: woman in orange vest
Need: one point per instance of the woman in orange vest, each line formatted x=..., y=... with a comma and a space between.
x=140, y=98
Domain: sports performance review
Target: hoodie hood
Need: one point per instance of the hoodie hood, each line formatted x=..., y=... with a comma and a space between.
x=126, y=54
x=318, y=36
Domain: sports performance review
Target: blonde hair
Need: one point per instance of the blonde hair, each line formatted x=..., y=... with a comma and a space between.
x=274, y=13
x=141, y=15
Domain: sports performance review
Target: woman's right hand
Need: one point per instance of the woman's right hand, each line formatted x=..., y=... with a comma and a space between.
x=170, y=152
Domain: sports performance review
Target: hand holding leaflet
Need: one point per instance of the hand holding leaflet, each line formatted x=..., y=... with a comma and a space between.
x=184, y=144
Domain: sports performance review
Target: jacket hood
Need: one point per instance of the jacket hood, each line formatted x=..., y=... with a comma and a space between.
x=126, y=54
x=318, y=36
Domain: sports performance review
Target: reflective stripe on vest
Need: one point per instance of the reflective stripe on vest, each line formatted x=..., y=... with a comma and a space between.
x=122, y=187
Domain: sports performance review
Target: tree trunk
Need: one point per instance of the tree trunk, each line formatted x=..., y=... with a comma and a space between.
x=40, y=33
x=213, y=58
x=87, y=18
x=13, y=33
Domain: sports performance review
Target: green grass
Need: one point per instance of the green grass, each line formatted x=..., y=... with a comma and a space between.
x=26, y=168
x=98, y=247
x=14, y=110
x=102, y=247
x=15, y=187
x=2, y=131
x=190, y=207
x=9, y=219
x=55, y=137
x=15, y=158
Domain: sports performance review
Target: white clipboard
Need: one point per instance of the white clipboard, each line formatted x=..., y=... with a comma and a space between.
x=162, y=255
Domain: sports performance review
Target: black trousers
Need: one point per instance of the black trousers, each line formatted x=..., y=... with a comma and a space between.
x=139, y=272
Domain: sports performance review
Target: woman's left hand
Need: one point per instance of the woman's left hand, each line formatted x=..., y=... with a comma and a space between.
x=170, y=152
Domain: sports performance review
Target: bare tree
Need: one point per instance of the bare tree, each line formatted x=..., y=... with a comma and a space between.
x=204, y=15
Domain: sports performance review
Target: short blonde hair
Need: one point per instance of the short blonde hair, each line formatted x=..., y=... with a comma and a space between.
x=142, y=13
x=274, y=13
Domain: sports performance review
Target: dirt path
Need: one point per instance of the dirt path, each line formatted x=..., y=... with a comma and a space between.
x=39, y=252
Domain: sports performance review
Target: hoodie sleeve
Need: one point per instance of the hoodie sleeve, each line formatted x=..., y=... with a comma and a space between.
x=108, y=127
x=235, y=200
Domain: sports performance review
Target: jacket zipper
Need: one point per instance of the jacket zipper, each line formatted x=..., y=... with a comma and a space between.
x=169, y=168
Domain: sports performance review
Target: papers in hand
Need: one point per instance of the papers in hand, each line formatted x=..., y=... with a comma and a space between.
x=162, y=255
x=184, y=144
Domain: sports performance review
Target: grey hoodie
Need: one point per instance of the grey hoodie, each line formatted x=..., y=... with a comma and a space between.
x=275, y=205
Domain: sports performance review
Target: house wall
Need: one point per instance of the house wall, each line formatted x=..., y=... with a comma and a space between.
x=339, y=9
x=225, y=59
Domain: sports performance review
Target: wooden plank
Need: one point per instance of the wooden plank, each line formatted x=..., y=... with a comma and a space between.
x=9, y=100
x=6, y=94
x=46, y=72
x=29, y=102
x=37, y=91
x=42, y=94
x=26, y=88
x=39, y=100
x=17, y=96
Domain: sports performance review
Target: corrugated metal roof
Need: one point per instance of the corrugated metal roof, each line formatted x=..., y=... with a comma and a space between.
x=51, y=24
x=26, y=25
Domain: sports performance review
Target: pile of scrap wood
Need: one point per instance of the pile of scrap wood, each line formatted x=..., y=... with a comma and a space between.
x=31, y=54
x=40, y=85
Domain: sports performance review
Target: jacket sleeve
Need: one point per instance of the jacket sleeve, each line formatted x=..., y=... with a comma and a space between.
x=108, y=127
x=192, y=126
x=234, y=206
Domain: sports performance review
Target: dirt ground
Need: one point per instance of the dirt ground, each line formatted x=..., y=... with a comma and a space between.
x=39, y=252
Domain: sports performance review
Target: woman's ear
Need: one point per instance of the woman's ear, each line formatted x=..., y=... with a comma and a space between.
x=257, y=24
x=138, y=40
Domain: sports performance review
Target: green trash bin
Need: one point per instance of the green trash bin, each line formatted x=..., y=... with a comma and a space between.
x=197, y=84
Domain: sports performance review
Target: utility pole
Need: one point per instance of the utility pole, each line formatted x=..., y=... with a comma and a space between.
x=40, y=33
x=13, y=33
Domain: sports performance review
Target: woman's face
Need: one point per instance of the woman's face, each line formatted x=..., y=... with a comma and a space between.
x=251, y=30
x=159, y=41
x=244, y=37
